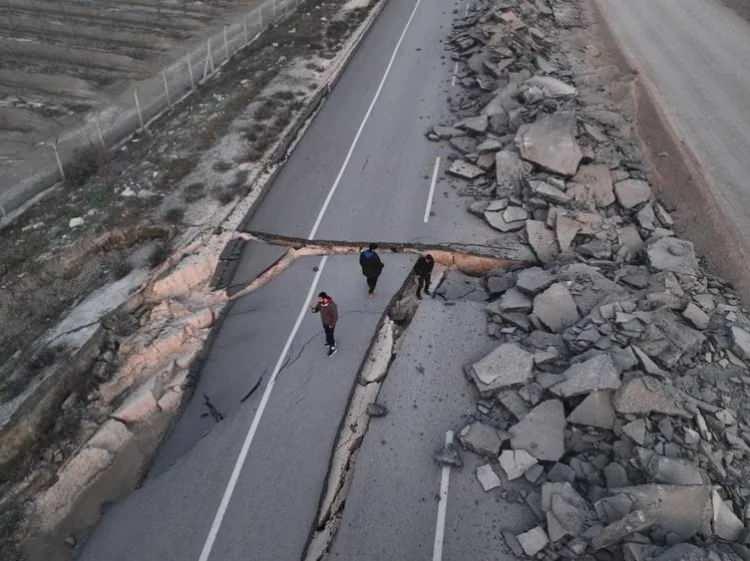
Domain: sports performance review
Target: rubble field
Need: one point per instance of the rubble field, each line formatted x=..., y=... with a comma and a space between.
x=614, y=403
x=61, y=59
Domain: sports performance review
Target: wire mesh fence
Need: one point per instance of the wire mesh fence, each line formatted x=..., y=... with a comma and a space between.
x=144, y=101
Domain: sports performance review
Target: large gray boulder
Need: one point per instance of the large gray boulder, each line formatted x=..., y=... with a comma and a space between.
x=672, y=254
x=632, y=193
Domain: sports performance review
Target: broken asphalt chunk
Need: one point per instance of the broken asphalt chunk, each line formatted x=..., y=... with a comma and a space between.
x=597, y=373
x=595, y=411
x=556, y=308
x=507, y=365
x=482, y=439
x=551, y=143
x=542, y=431
x=646, y=395
x=516, y=462
x=449, y=455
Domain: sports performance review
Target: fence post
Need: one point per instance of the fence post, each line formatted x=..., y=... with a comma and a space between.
x=273, y=3
x=166, y=87
x=244, y=25
x=210, y=57
x=190, y=72
x=138, y=108
x=59, y=161
x=260, y=18
x=99, y=130
x=226, y=42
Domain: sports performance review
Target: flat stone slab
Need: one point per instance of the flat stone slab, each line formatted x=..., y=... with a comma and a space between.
x=509, y=169
x=597, y=373
x=498, y=222
x=533, y=541
x=551, y=143
x=552, y=87
x=505, y=366
x=632, y=192
x=672, y=254
x=556, y=308
x=646, y=395
x=516, y=462
x=533, y=280
x=487, y=478
x=465, y=170
x=549, y=193
x=515, y=301
x=482, y=439
x=595, y=411
x=542, y=431
x=592, y=186
x=542, y=240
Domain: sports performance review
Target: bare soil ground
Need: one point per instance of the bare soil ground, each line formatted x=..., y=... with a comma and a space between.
x=59, y=59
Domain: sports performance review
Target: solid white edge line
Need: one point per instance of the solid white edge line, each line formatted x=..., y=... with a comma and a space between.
x=428, y=208
x=437, y=548
x=239, y=464
x=363, y=123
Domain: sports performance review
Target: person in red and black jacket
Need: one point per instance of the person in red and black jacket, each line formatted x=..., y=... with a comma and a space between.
x=329, y=315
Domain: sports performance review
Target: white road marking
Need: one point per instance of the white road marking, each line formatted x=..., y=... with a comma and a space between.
x=437, y=548
x=455, y=72
x=240, y=463
x=428, y=208
x=466, y=13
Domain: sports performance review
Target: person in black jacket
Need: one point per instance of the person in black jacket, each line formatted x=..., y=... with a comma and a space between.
x=372, y=266
x=423, y=269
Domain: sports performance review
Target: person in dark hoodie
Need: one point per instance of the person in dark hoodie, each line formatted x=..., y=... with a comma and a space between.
x=423, y=269
x=329, y=315
x=372, y=266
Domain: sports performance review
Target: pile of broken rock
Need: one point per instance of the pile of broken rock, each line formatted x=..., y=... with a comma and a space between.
x=616, y=393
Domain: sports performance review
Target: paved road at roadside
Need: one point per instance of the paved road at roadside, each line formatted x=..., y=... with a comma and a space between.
x=696, y=55
x=381, y=193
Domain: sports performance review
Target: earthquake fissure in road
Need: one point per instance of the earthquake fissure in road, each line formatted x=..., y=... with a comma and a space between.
x=613, y=405
x=363, y=406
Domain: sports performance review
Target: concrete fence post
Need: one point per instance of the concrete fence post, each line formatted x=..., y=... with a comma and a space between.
x=59, y=161
x=166, y=87
x=244, y=26
x=211, y=65
x=138, y=108
x=190, y=72
x=99, y=132
x=273, y=3
x=260, y=18
x=226, y=42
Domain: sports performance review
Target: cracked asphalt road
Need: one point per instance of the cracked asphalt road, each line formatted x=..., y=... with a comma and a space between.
x=381, y=195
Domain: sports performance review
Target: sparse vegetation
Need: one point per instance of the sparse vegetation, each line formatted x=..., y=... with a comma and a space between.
x=194, y=192
x=265, y=111
x=121, y=269
x=174, y=215
x=158, y=255
x=222, y=166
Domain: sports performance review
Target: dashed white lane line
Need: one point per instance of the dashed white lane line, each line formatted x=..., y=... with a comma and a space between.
x=240, y=462
x=455, y=73
x=431, y=194
x=437, y=548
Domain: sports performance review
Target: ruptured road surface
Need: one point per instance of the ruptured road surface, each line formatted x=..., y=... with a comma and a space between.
x=248, y=487
x=695, y=56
